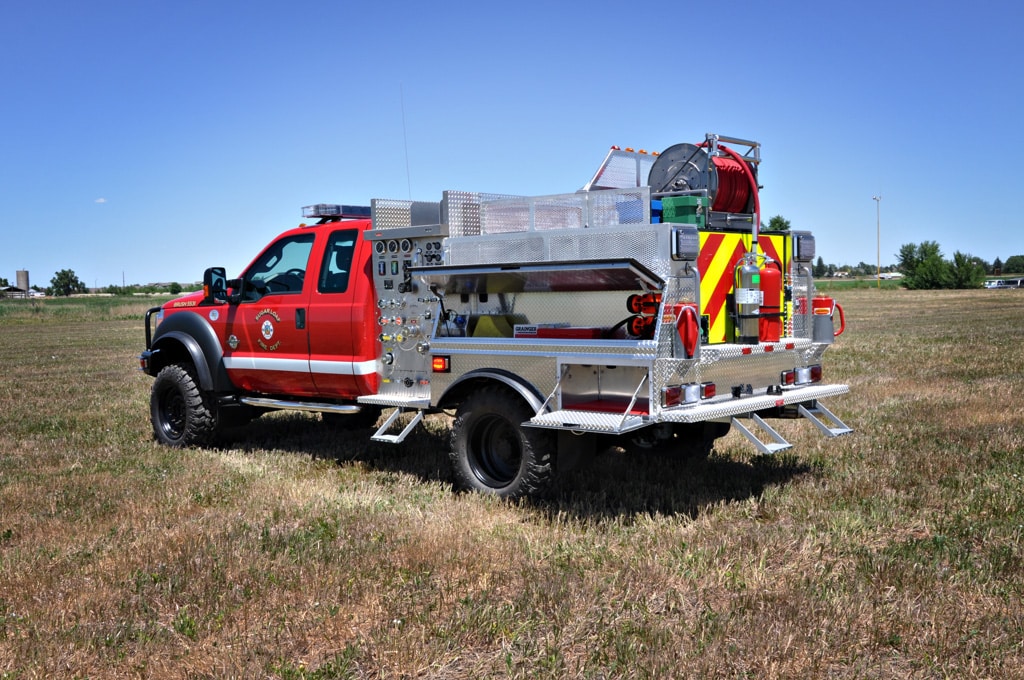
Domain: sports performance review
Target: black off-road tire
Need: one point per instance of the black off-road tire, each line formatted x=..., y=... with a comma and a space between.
x=181, y=413
x=492, y=453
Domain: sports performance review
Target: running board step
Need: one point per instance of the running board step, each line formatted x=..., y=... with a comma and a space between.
x=777, y=442
x=308, y=406
x=382, y=436
x=817, y=414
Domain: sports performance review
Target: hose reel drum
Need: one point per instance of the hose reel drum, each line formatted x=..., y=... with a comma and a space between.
x=694, y=168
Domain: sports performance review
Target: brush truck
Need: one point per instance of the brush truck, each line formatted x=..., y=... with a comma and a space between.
x=646, y=309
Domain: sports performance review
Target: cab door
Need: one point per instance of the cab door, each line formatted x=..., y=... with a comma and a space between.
x=267, y=345
x=343, y=328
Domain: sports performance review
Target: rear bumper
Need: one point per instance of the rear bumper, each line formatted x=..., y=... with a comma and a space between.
x=721, y=408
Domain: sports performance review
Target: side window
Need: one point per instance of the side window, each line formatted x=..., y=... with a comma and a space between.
x=337, y=262
x=281, y=268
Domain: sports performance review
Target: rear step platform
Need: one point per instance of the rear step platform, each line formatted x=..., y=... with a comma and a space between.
x=838, y=427
x=777, y=443
x=816, y=413
x=381, y=434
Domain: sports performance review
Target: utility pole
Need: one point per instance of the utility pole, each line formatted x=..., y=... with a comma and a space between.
x=878, y=225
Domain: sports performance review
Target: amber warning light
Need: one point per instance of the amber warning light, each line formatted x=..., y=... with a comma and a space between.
x=441, y=364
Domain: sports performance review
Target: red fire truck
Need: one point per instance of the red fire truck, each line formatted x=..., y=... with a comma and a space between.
x=648, y=307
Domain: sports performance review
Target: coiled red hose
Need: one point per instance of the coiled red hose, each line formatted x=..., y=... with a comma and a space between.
x=731, y=196
x=753, y=186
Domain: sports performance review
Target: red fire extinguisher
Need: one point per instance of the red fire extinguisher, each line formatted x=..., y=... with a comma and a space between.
x=770, y=313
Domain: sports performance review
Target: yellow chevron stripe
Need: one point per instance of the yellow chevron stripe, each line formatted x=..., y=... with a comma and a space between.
x=720, y=266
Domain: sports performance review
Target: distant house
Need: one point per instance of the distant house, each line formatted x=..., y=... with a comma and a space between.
x=13, y=292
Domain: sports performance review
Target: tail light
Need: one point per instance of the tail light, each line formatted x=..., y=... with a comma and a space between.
x=691, y=393
x=805, y=375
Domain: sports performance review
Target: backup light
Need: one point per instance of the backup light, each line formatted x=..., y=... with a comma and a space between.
x=805, y=375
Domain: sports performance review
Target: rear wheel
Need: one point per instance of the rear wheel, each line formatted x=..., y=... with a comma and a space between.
x=491, y=451
x=181, y=413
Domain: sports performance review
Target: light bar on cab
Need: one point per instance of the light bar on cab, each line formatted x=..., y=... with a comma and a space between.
x=322, y=210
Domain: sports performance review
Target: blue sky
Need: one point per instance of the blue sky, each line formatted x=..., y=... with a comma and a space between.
x=144, y=140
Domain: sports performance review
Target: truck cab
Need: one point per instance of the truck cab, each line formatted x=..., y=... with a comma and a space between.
x=297, y=324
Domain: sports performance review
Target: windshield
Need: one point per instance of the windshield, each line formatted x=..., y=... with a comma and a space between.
x=281, y=268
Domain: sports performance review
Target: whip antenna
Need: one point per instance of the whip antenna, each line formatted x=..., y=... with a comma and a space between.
x=405, y=140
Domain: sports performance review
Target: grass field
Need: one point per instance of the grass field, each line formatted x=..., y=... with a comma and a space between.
x=296, y=551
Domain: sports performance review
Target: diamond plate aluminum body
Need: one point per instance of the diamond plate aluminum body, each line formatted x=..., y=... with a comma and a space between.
x=580, y=210
x=460, y=210
x=538, y=370
x=608, y=383
x=390, y=213
x=803, y=291
x=647, y=244
x=589, y=421
x=727, y=366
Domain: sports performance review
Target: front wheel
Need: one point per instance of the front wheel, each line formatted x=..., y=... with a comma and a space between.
x=493, y=453
x=181, y=413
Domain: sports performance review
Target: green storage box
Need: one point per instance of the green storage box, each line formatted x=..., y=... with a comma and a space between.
x=684, y=209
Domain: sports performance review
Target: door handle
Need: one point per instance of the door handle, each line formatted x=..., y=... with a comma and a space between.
x=300, y=319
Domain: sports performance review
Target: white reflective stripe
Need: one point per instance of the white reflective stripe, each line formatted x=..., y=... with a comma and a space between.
x=366, y=367
x=344, y=367
x=266, y=364
x=300, y=365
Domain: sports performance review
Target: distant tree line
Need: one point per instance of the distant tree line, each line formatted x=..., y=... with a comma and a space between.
x=173, y=288
x=66, y=282
x=923, y=266
x=822, y=270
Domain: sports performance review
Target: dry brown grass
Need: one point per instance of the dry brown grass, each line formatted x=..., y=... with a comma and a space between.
x=296, y=552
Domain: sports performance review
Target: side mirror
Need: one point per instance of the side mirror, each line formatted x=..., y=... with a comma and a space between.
x=215, y=286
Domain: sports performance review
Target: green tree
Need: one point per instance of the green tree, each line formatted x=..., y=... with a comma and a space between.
x=778, y=223
x=997, y=267
x=4, y=282
x=909, y=258
x=923, y=266
x=967, y=271
x=819, y=268
x=174, y=288
x=1014, y=265
x=65, y=282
